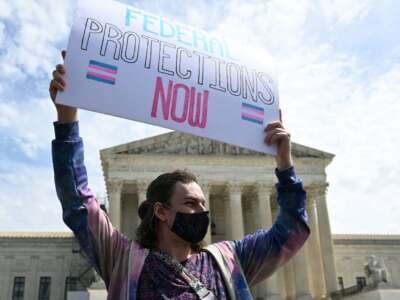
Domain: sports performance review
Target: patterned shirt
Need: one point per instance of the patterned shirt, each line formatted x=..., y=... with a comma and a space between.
x=125, y=266
x=159, y=280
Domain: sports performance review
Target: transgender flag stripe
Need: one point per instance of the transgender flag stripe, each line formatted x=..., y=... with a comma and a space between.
x=101, y=72
x=252, y=113
x=103, y=69
x=104, y=65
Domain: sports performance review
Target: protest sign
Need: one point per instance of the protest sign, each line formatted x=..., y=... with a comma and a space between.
x=129, y=63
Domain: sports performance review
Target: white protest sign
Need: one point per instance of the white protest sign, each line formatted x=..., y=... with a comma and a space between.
x=129, y=63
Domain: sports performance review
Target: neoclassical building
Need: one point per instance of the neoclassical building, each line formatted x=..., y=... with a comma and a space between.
x=239, y=186
x=41, y=265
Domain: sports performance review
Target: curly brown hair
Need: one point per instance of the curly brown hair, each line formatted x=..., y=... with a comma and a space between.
x=160, y=190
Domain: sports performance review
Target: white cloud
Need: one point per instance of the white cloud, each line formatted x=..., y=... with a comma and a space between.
x=39, y=25
x=343, y=11
x=329, y=97
x=5, y=9
x=332, y=102
x=28, y=201
x=2, y=33
x=364, y=175
x=8, y=113
x=28, y=124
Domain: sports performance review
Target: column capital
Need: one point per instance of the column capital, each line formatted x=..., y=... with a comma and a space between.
x=234, y=186
x=316, y=189
x=142, y=185
x=264, y=186
x=235, y=209
x=114, y=186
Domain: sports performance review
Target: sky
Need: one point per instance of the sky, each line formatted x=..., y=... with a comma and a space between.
x=339, y=85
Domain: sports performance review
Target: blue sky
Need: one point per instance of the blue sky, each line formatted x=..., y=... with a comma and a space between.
x=339, y=77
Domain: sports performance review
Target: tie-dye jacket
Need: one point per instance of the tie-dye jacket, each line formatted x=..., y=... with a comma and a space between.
x=119, y=261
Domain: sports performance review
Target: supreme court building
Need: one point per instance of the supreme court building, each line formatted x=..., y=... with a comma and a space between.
x=239, y=186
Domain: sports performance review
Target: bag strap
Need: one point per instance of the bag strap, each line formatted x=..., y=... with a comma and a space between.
x=225, y=267
x=193, y=282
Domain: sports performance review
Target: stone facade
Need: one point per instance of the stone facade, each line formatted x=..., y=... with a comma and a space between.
x=33, y=256
x=239, y=187
x=351, y=252
x=240, y=193
x=56, y=255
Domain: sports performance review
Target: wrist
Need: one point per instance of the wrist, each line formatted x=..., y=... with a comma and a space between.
x=284, y=164
x=284, y=167
x=66, y=114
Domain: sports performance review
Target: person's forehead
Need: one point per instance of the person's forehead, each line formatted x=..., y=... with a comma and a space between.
x=191, y=190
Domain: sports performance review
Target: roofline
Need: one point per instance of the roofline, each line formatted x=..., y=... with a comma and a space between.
x=66, y=234
x=366, y=236
x=126, y=146
x=38, y=235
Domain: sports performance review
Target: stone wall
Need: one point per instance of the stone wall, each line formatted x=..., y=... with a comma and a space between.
x=35, y=255
x=351, y=252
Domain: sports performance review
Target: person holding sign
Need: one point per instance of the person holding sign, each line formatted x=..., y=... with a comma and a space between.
x=166, y=260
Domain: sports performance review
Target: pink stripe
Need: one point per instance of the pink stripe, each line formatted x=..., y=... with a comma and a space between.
x=251, y=116
x=253, y=111
x=101, y=76
x=103, y=69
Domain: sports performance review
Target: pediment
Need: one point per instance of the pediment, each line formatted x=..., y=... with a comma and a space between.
x=187, y=144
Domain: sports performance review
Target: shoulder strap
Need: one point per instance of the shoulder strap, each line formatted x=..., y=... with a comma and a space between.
x=137, y=256
x=225, y=255
x=225, y=266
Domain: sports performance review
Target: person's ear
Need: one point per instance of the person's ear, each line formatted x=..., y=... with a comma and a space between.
x=159, y=212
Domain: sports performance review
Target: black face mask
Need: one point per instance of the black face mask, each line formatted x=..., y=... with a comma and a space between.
x=191, y=227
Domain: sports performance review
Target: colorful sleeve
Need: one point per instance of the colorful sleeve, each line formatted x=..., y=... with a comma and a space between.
x=81, y=211
x=264, y=251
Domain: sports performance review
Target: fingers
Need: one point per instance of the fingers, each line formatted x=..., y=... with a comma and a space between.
x=57, y=83
x=56, y=86
x=57, y=76
x=60, y=68
x=274, y=135
x=276, y=138
x=276, y=124
x=273, y=125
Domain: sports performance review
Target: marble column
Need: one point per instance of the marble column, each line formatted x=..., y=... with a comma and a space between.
x=301, y=280
x=268, y=289
x=288, y=281
x=325, y=237
x=206, y=191
x=141, y=190
x=317, y=279
x=141, y=194
x=114, y=189
x=235, y=210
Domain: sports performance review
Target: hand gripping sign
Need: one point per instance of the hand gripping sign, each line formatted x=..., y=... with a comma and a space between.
x=126, y=62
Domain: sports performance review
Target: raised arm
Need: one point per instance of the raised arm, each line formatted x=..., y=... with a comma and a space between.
x=81, y=211
x=264, y=251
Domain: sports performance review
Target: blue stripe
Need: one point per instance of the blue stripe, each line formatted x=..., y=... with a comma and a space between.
x=100, y=64
x=99, y=79
x=252, y=106
x=252, y=120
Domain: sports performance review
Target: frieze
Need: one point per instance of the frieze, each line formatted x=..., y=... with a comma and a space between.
x=186, y=144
